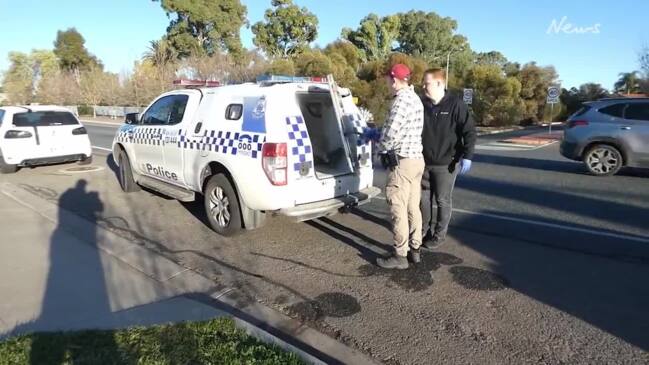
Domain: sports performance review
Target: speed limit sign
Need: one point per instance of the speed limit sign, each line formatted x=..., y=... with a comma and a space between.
x=468, y=96
x=553, y=95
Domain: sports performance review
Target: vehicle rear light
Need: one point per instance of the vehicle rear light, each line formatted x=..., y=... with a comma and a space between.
x=577, y=123
x=78, y=131
x=17, y=134
x=275, y=163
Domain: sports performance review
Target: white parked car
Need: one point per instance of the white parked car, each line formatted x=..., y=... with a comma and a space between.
x=38, y=135
x=283, y=145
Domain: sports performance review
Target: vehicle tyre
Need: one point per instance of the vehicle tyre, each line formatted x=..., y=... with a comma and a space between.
x=222, y=206
x=85, y=161
x=126, y=180
x=6, y=168
x=603, y=160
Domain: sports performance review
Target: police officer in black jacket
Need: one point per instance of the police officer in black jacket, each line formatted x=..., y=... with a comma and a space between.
x=449, y=138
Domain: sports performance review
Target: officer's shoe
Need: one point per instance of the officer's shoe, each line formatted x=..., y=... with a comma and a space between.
x=393, y=262
x=414, y=256
x=433, y=243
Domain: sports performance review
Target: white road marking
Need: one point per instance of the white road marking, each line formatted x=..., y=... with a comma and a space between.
x=550, y=225
x=101, y=124
x=103, y=148
x=503, y=146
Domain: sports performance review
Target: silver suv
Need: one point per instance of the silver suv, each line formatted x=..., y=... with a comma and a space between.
x=608, y=134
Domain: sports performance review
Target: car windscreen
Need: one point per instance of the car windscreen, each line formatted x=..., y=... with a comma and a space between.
x=44, y=119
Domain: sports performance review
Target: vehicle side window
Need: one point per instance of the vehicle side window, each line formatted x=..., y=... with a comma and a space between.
x=615, y=110
x=233, y=112
x=637, y=111
x=2, y=116
x=167, y=111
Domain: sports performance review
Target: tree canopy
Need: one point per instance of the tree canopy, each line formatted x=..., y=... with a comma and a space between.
x=204, y=25
x=287, y=30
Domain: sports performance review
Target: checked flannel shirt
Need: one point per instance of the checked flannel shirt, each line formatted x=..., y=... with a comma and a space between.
x=402, y=130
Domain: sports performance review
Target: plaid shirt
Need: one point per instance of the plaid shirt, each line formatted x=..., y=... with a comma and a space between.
x=402, y=131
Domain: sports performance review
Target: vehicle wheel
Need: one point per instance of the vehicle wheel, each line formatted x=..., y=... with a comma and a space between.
x=603, y=160
x=85, y=161
x=222, y=206
x=126, y=180
x=6, y=168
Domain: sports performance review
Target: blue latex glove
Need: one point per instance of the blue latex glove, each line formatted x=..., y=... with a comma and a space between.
x=465, y=166
x=369, y=134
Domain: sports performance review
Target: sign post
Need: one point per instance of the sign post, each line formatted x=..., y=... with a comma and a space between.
x=553, y=98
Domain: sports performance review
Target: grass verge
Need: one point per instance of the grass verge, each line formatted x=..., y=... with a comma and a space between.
x=212, y=342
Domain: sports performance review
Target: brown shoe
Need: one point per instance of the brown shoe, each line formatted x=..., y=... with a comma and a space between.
x=414, y=256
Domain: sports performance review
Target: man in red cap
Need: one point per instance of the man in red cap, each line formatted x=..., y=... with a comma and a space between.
x=401, y=147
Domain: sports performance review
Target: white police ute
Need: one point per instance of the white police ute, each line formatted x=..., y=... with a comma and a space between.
x=38, y=135
x=283, y=145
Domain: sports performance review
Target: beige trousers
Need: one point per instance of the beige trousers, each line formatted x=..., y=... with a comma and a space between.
x=403, y=194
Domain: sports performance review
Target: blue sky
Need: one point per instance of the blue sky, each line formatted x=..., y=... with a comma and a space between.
x=119, y=31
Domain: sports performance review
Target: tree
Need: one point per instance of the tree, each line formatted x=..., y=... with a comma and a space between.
x=644, y=61
x=204, y=25
x=145, y=83
x=60, y=88
x=375, y=37
x=93, y=86
x=160, y=53
x=628, y=83
x=18, y=79
x=535, y=81
x=496, y=99
x=491, y=58
x=313, y=63
x=71, y=51
x=347, y=50
x=281, y=66
x=573, y=98
x=287, y=31
x=22, y=80
x=512, y=69
x=429, y=36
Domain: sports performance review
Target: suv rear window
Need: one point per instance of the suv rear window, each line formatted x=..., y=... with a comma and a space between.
x=581, y=111
x=44, y=119
x=637, y=111
x=615, y=110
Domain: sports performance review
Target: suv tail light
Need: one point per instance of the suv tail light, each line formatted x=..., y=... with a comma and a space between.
x=577, y=123
x=275, y=163
x=78, y=131
x=17, y=134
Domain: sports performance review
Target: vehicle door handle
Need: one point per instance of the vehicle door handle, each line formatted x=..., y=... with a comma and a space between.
x=625, y=128
x=198, y=127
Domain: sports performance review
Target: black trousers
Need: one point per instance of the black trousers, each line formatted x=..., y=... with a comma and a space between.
x=437, y=185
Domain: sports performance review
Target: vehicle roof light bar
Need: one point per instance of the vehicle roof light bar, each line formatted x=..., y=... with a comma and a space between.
x=196, y=83
x=282, y=79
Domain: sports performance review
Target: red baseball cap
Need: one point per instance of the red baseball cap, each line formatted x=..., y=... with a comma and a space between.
x=400, y=71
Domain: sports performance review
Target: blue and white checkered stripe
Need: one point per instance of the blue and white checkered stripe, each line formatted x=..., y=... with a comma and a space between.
x=357, y=123
x=299, y=143
x=233, y=143
x=141, y=135
x=363, y=151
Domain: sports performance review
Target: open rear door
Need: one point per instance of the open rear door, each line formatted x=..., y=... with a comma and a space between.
x=352, y=125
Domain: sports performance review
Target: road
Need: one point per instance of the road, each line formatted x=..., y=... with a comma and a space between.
x=544, y=263
x=538, y=186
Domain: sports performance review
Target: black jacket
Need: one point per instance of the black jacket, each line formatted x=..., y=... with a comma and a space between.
x=449, y=131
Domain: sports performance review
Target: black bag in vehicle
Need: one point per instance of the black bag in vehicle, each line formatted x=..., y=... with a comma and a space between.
x=389, y=159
